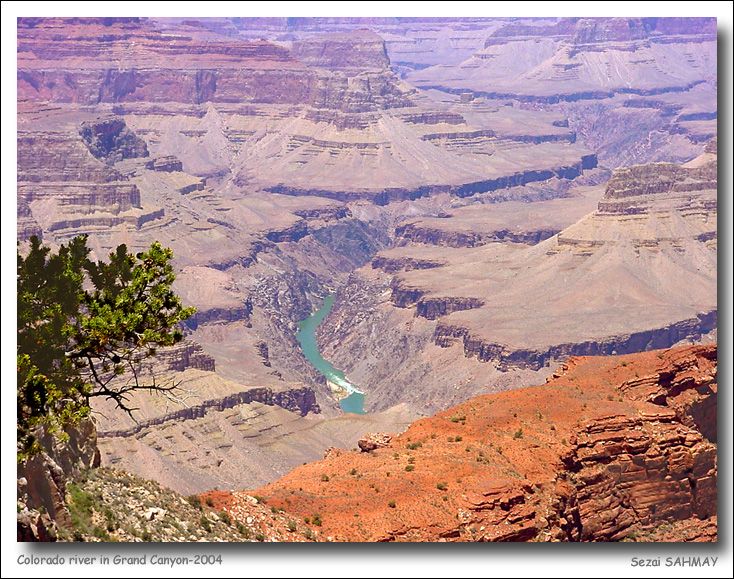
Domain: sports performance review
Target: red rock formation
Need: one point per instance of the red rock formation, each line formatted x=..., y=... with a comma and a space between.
x=608, y=449
x=373, y=441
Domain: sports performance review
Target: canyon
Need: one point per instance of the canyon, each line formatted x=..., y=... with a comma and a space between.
x=478, y=218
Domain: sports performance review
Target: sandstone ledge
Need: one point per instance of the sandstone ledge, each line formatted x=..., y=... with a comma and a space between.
x=506, y=356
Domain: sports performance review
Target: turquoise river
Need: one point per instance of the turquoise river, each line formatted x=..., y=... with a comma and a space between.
x=354, y=400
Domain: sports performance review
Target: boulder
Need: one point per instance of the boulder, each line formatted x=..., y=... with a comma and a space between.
x=373, y=441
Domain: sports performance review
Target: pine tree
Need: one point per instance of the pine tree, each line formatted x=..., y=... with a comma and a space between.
x=83, y=329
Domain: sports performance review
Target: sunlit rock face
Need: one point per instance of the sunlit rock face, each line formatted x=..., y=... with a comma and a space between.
x=609, y=449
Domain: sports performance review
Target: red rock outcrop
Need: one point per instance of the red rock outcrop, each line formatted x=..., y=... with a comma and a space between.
x=373, y=441
x=606, y=450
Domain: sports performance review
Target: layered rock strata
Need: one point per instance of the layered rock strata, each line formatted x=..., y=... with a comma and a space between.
x=660, y=216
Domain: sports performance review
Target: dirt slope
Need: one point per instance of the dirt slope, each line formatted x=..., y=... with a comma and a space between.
x=611, y=448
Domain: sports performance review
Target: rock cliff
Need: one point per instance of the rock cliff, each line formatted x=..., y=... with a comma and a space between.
x=607, y=450
x=301, y=401
x=418, y=233
x=363, y=50
x=505, y=357
x=42, y=480
x=73, y=62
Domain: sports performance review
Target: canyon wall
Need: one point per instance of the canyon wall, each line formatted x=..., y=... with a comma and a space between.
x=301, y=401
x=505, y=358
x=61, y=61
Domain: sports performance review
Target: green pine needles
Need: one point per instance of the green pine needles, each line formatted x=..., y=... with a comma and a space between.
x=83, y=329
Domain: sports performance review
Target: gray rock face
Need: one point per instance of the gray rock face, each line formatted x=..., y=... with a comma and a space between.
x=111, y=140
x=43, y=477
x=34, y=526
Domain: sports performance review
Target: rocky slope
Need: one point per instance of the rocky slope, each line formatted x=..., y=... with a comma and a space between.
x=43, y=479
x=213, y=432
x=584, y=58
x=113, y=506
x=609, y=449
